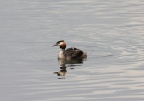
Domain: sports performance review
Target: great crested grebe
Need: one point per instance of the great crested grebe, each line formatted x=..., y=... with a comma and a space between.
x=70, y=53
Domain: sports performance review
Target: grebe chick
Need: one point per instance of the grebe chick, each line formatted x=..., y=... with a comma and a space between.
x=70, y=53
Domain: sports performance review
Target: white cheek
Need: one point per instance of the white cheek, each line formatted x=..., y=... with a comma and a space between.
x=60, y=43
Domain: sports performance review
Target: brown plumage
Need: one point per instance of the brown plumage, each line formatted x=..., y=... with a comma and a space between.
x=70, y=53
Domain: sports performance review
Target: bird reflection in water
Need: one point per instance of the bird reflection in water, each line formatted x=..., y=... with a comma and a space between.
x=71, y=56
x=67, y=63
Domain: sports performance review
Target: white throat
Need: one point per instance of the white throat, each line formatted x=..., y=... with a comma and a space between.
x=61, y=54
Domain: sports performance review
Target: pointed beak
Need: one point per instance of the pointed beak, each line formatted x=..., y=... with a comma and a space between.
x=55, y=45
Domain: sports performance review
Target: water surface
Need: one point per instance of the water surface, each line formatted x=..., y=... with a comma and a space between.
x=111, y=32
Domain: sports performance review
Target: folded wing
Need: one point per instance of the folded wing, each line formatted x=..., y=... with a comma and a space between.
x=73, y=53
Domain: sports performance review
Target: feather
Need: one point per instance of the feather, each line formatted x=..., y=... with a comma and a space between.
x=73, y=52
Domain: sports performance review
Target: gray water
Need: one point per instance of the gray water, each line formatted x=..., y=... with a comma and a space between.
x=110, y=31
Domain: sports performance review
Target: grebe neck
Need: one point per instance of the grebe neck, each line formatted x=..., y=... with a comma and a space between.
x=61, y=54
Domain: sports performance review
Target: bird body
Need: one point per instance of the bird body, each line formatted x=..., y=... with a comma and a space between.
x=70, y=53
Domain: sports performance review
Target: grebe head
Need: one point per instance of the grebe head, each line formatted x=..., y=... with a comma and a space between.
x=61, y=43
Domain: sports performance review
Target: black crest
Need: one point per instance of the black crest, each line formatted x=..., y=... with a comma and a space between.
x=60, y=41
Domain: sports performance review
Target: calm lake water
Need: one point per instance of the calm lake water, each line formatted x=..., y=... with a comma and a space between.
x=110, y=31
